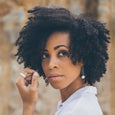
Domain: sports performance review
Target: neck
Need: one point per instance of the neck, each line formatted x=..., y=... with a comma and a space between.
x=69, y=90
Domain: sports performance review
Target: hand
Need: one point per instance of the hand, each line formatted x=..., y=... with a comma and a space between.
x=27, y=91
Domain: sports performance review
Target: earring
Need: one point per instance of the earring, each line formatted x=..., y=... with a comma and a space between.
x=82, y=73
x=46, y=80
x=83, y=76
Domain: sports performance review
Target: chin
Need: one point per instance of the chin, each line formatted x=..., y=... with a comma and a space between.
x=57, y=86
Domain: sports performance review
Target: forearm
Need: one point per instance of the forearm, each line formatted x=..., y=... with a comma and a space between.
x=28, y=109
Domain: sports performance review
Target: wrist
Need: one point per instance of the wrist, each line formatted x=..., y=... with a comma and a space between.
x=28, y=109
x=29, y=105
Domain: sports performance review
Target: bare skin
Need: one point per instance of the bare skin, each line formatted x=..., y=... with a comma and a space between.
x=67, y=92
x=28, y=93
x=56, y=61
x=58, y=69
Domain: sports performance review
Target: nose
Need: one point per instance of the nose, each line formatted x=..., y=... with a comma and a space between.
x=53, y=63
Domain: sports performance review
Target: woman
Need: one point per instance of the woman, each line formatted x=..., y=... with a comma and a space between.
x=69, y=52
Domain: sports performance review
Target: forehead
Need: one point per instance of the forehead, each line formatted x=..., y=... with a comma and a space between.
x=58, y=38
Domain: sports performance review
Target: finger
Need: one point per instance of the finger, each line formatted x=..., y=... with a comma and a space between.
x=26, y=79
x=35, y=80
x=27, y=74
x=28, y=70
x=21, y=83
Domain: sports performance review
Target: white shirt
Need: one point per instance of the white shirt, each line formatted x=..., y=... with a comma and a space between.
x=81, y=102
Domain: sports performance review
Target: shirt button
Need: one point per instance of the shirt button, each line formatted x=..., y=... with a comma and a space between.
x=61, y=105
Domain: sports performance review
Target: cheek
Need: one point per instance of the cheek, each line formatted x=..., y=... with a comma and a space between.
x=76, y=71
x=72, y=70
x=44, y=67
x=66, y=61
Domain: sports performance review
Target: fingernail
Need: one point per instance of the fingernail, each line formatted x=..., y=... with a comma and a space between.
x=35, y=74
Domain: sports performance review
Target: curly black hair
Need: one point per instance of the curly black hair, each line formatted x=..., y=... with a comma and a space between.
x=88, y=40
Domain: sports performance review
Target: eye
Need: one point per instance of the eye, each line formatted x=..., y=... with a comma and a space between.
x=44, y=56
x=63, y=53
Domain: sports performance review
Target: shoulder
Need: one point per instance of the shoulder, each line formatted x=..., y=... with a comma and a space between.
x=82, y=102
x=87, y=104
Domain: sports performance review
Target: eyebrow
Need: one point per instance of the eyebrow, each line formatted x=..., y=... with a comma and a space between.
x=56, y=47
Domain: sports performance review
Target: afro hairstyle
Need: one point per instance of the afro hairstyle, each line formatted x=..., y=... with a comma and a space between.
x=88, y=40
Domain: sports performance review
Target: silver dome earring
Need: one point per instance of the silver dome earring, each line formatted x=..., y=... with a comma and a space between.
x=82, y=73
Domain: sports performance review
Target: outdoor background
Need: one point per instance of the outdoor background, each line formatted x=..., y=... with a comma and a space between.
x=13, y=14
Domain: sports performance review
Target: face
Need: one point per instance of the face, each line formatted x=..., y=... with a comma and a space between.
x=56, y=62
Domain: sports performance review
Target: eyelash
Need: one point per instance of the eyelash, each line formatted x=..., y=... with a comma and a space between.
x=65, y=53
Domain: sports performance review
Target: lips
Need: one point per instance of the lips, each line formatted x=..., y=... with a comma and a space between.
x=55, y=77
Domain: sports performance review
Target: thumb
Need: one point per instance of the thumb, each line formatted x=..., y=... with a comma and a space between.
x=35, y=80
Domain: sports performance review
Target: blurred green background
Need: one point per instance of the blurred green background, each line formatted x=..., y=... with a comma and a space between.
x=13, y=14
